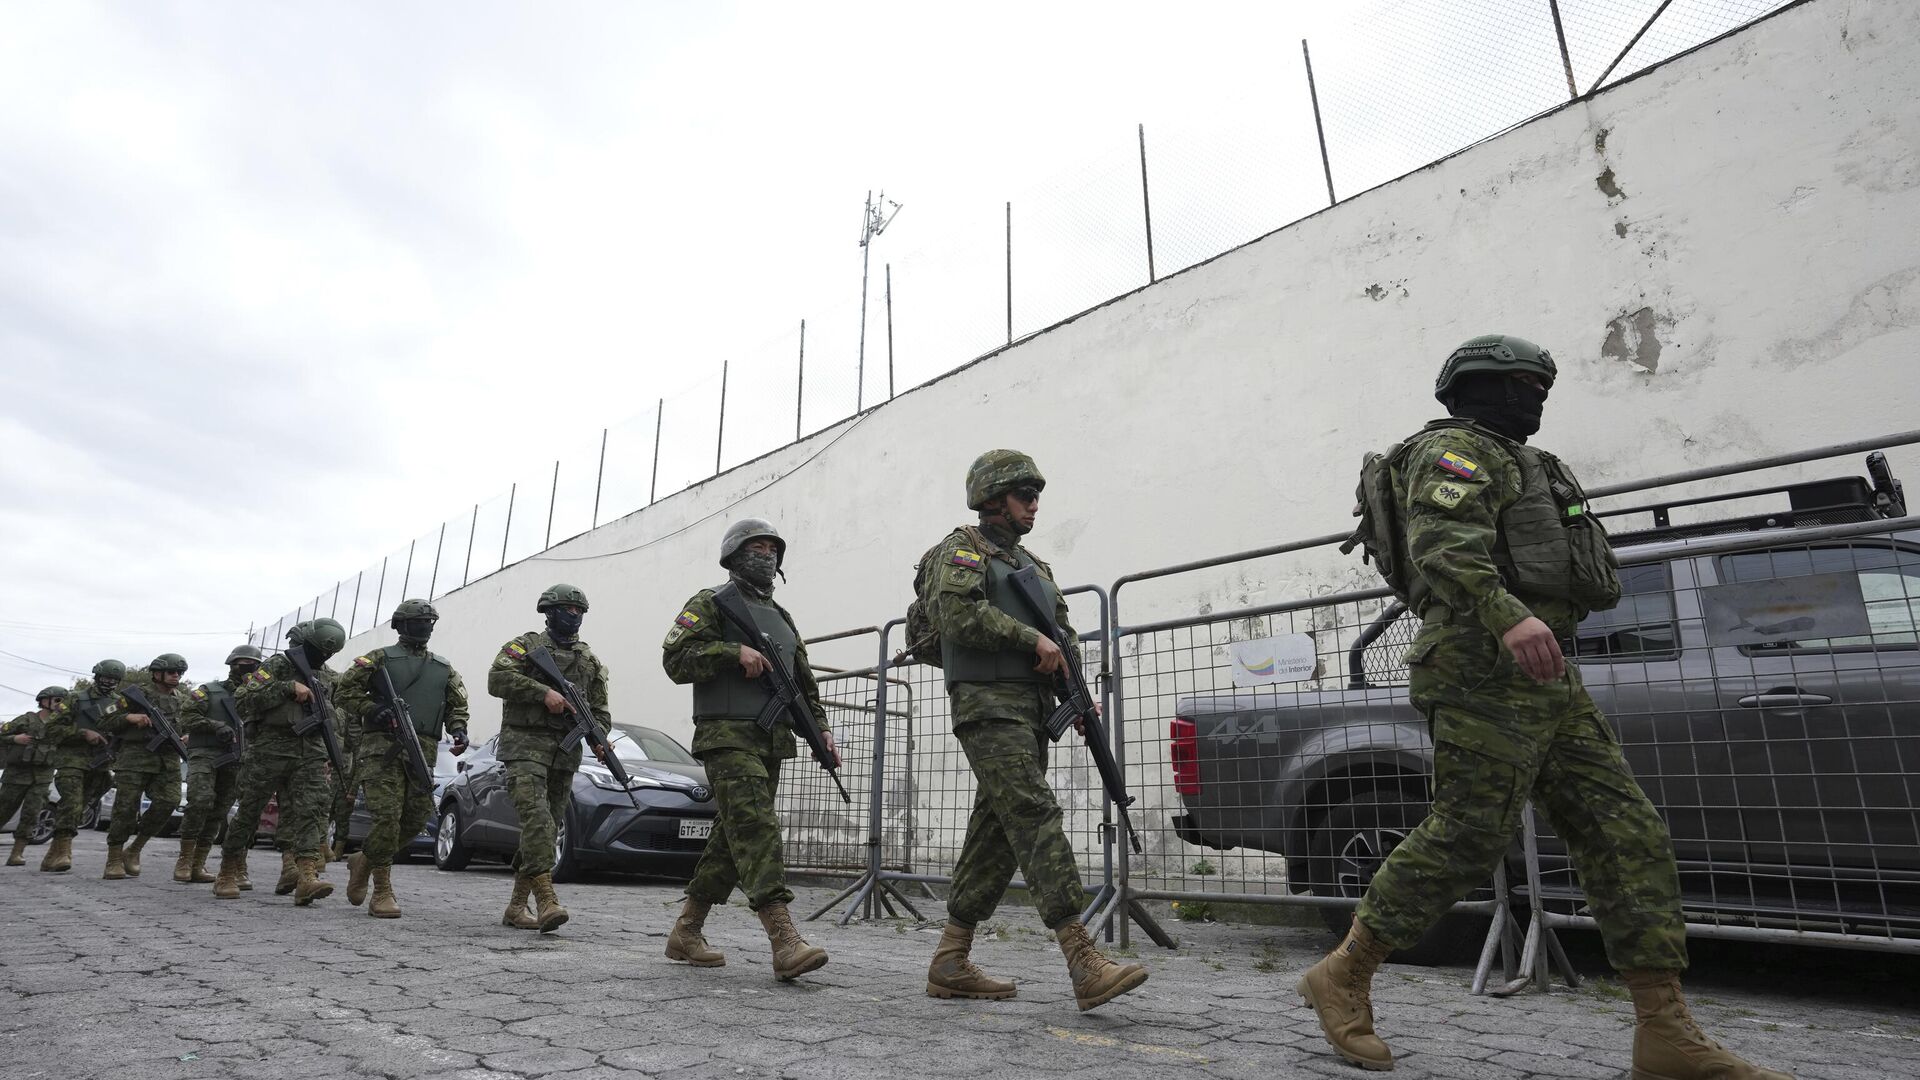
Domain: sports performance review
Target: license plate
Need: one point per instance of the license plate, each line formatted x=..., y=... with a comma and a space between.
x=696, y=828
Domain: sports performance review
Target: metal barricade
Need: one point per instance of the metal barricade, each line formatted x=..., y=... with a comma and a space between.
x=819, y=831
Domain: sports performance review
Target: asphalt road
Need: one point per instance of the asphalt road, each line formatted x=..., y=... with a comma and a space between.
x=145, y=979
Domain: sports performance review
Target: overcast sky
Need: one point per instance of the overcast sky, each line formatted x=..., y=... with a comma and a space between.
x=284, y=286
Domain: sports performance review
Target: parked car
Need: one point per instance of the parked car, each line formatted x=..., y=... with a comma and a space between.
x=601, y=828
x=1784, y=765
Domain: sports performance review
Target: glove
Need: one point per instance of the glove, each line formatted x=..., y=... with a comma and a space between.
x=459, y=744
x=383, y=719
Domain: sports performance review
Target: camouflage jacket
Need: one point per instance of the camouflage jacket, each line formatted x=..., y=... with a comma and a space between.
x=266, y=703
x=203, y=725
x=31, y=757
x=133, y=755
x=355, y=696
x=528, y=732
x=697, y=650
x=71, y=750
x=958, y=607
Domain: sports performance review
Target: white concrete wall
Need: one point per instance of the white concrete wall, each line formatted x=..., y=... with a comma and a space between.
x=1723, y=255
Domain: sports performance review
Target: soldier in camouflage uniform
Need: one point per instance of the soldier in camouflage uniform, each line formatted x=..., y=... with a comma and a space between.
x=213, y=769
x=436, y=697
x=81, y=757
x=1490, y=541
x=270, y=701
x=139, y=771
x=533, y=721
x=28, y=757
x=743, y=762
x=1000, y=671
x=346, y=790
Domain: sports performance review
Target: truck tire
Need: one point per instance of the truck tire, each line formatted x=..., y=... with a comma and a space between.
x=1350, y=842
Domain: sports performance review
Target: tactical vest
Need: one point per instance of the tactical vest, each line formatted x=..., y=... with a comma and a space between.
x=422, y=682
x=966, y=664
x=89, y=707
x=575, y=664
x=733, y=696
x=12, y=753
x=217, y=691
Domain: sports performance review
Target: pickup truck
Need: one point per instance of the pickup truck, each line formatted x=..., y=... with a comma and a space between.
x=1784, y=755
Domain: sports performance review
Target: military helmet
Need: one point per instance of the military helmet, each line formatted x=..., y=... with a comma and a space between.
x=242, y=652
x=413, y=609
x=58, y=693
x=998, y=471
x=1499, y=354
x=168, y=661
x=562, y=596
x=326, y=635
x=740, y=532
x=110, y=669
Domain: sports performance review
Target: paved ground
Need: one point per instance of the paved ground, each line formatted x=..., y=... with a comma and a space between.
x=146, y=979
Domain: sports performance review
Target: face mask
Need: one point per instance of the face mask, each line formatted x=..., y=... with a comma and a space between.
x=563, y=625
x=756, y=568
x=1503, y=403
x=237, y=672
x=315, y=654
x=415, y=631
x=106, y=686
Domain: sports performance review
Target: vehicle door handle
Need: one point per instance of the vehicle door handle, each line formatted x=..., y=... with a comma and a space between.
x=1783, y=697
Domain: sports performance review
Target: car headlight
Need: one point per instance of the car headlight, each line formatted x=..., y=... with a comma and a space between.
x=606, y=782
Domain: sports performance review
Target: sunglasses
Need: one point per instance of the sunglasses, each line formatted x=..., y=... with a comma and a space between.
x=1025, y=494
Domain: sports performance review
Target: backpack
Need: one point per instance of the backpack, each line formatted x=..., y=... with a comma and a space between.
x=1378, y=533
x=923, y=637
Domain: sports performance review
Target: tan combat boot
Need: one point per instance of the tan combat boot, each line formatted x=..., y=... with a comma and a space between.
x=792, y=956
x=384, y=905
x=1339, y=989
x=18, y=856
x=357, y=869
x=1669, y=1045
x=198, y=874
x=307, y=886
x=517, y=915
x=59, y=856
x=687, y=943
x=239, y=870
x=183, y=866
x=116, y=863
x=133, y=855
x=952, y=975
x=227, y=885
x=551, y=914
x=289, y=874
x=338, y=852
x=1096, y=979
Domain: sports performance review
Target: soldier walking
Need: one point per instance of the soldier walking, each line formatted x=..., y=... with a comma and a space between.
x=138, y=771
x=742, y=760
x=27, y=755
x=213, y=764
x=346, y=790
x=999, y=671
x=1490, y=541
x=533, y=722
x=82, y=754
x=435, y=697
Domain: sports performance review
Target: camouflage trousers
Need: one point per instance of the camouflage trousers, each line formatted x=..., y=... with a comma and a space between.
x=744, y=849
x=162, y=789
x=345, y=789
x=79, y=788
x=398, y=811
x=540, y=796
x=25, y=790
x=300, y=781
x=1500, y=739
x=210, y=794
x=1015, y=825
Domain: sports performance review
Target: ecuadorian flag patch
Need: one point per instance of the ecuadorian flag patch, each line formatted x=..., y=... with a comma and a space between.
x=363, y=661
x=1458, y=466
x=963, y=557
x=200, y=693
x=515, y=650
x=688, y=619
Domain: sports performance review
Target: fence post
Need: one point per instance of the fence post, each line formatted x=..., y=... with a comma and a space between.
x=1009, y=273
x=472, y=528
x=1318, y=129
x=1651, y=19
x=437, y=546
x=800, y=389
x=599, y=475
x=889, y=331
x=720, y=437
x=512, y=491
x=379, y=591
x=653, y=486
x=406, y=579
x=1566, y=61
x=334, y=611
x=553, y=495
x=1146, y=205
x=354, y=616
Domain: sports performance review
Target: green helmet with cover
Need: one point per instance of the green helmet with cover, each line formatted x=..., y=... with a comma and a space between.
x=169, y=661
x=1498, y=354
x=243, y=652
x=999, y=471
x=741, y=532
x=413, y=609
x=57, y=693
x=562, y=596
x=326, y=636
x=110, y=670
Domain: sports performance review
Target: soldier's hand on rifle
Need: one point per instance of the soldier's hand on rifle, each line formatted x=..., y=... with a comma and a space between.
x=92, y=736
x=1535, y=649
x=383, y=719
x=301, y=692
x=833, y=750
x=1052, y=660
x=752, y=662
x=139, y=719
x=1080, y=723
x=556, y=702
x=459, y=745
x=23, y=740
x=601, y=751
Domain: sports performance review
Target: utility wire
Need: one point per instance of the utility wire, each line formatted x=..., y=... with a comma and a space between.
x=40, y=663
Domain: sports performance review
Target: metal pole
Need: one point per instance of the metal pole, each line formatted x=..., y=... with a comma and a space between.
x=720, y=437
x=354, y=616
x=1146, y=205
x=553, y=496
x=513, y=490
x=472, y=528
x=889, y=331
x=277, y=624
x=599, y=475
x=1566, y=61
x=659, y=411
x=800, y=391
x=334, y=611
x=379, y=592
x=866, y=253
x=406, y=579
x=1009, y=273
x=1636, y=40
x=1318, y=129
x=437, y=547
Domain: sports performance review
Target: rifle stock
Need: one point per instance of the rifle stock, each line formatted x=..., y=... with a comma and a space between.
x=783, y=690
x=585, y=728
x=237, y=751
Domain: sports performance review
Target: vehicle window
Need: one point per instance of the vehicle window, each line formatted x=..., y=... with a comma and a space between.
x=1889, y=580
x=1641, y=626
x=649, y=745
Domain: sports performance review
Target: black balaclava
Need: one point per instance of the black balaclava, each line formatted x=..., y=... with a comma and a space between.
x=238, y=671
x=315, y=654
x=414, y=631
x=564, y=625
x=1501, y=402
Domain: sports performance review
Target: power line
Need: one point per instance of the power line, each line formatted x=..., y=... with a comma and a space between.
x=110, y=632
x=40, y=663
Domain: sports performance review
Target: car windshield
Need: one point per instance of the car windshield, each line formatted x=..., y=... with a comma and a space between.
x=640, y=744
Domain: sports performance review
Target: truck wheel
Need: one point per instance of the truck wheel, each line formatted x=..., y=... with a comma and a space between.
x=1354, y=838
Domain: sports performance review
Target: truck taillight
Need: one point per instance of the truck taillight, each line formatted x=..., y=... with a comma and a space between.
x=1186, y=756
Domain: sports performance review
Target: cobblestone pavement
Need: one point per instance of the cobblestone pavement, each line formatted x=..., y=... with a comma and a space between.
x=145, y=979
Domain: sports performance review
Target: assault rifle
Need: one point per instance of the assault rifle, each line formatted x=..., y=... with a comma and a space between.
x=406, y=741
x=163, y=730
x=237, y=748
x=89, y=720
x=317, y=712
x=1076, y=703
x=585, y=728
x=784, y=696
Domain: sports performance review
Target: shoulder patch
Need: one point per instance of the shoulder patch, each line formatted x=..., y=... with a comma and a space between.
x=1446, y=494
x=511, y=654
x=1457, y=465
x=363, y=661
x=675, y=634
x=688, y=619
x=963, y=557
x=260, y=677
x=199, y=693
